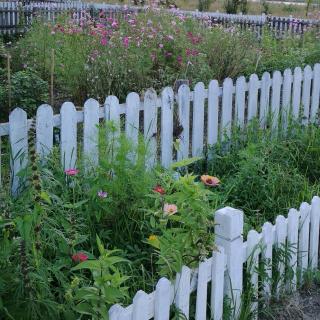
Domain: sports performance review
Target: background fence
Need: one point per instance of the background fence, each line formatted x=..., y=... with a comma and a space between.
x=15, y=17
x=191, y=119
x=224, y=270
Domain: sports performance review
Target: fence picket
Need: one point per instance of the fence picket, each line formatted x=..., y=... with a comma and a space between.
x=184, y=118
x=68, y=146
x=140, y=306
x=91, y=133
x=252, y=265
x=314, y=232
x=115, y=312
x=182, y=291
x=213, y=109
x=265, y=98
x=44, y=130
x=275, y=98
x=240, y=100
x=166, y=126
x=18, y=135
x=304, y=232
x=162, y=300
x=281, y=235
x=286, y=97
x=306, y=93
x=202, y=290
x=293, y=230
x=296, y=94
x=217, y=276
x=150, y=126
x=315, y=93
x=226, y=121
x=267, y=241
x=253, y=97
x=198, y=120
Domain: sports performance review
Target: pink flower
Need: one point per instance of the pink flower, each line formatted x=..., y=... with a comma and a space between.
x=179, y=59
x=79, y=257
x=159, y=189
x=160, y=45
x=169, y=209
x=114, y=24
x=102, y=194
x=126, y=42
x=104, y=41
x=71, y=172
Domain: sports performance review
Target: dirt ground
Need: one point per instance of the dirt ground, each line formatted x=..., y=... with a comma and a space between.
x=303, y=305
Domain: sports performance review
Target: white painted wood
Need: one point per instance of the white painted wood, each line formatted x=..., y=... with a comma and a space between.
x=281, y=235
x=44, y=131
x=296, y=93
x=265, y=98
x=217, y=276
x=115, y=312
x=315, y=100
x=184, y=121
x=293, y=228
x=275, y=98
x=213, y=111
x=18, y=136
x=91, y=133
x=198, y=120
x=132, y=121
x=112, y=112
x=166, y=126
x=306, y=93
x=253, y=97
x=304, y=233
x=226, y=121
x=150, y=126
x=202, y=290
x=162, y=300
x=267, y=244
x=286, y=98
x=140, y=306
x=240, y=100
x=253, y=251
x=182, y=291
x=314, y=232
x=228, y=232
x=68, y=145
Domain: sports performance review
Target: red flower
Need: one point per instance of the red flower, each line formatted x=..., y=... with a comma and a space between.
x=71, y=172
x=79, y=257
x=159, y=189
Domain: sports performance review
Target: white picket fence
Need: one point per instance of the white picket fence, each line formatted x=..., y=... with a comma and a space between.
x=300, y=230
x=214, y=111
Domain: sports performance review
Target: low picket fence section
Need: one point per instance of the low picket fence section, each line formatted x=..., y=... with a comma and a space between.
x=16, y=17
x=224, y=270
x=191, y=120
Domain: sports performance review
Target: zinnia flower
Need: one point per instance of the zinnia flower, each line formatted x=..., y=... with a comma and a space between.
x=102, y=194
x=159, y=189
x=71, y=172
x=169, y=209
x=79, y=257
x=210, y=180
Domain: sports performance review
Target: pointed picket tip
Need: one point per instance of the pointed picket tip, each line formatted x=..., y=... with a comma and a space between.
x=297, y=71
x=115, y=311
x=183, y=89
x=287, y=72
x=292, y=213
x=307, y=68
x=228, y=81
x=44, y=108
x=150, y=94
x=241, y=79
x=315, y=201
x=17, y=113
x=163, y=283
x=167, y=91
x=254, y=77
x=91, y=103
x=199, y=86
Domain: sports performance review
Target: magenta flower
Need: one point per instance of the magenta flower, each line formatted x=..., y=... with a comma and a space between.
x=71, y=172
x=104, y=41
x=126, y=42
x=102, y=194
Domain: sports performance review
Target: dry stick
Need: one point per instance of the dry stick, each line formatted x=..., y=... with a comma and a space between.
x=52, y=77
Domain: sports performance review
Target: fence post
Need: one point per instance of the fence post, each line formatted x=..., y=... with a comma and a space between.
x=228, y=232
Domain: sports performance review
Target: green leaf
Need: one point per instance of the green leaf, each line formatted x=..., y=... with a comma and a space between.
x=84, y=308
x=44, y=196
x=89, y=264
x=185, y=162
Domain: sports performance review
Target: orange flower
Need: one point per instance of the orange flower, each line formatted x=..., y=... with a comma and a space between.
x=169, y=209
x=210, y=180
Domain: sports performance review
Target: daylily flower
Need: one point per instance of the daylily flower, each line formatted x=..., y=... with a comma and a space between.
x=159, y=189
x=210, y=180
x=71, y=172
x=169, y=209
x=102, y=194
x=79, y=257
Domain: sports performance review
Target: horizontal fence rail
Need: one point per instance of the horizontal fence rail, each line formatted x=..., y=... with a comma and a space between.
x=15, y=17
x=224, y=270
x=175, y=126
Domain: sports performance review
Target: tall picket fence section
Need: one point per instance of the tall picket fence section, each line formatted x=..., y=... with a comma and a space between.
x=193, y=120
x=224, y=269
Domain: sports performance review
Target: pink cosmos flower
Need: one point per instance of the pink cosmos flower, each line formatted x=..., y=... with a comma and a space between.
x=169, y=209
x=104, y=41
x=71, y=172
x=102, y=194
x=126, y=42
x=79, y=257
